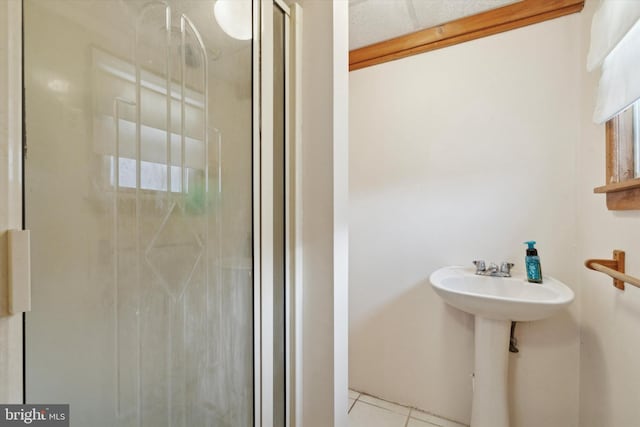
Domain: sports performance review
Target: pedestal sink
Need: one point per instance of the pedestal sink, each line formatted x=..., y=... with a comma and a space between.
x=496, y=302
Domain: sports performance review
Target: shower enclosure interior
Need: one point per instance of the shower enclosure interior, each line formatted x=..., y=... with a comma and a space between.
x=141, y=171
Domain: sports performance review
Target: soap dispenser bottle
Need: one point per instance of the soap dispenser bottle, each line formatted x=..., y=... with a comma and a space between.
x=532, y=263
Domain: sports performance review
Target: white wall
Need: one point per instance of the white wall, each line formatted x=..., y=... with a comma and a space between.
x=610, y=321
x=324, y=213
x=10, y=191
x=459, y=154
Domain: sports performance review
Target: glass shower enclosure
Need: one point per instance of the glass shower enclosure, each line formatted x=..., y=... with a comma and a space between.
x=139, y=193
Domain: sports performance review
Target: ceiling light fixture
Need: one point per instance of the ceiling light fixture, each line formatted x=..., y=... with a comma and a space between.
x=234, y=17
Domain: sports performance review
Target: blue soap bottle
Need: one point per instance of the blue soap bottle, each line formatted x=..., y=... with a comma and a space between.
x=532, y=263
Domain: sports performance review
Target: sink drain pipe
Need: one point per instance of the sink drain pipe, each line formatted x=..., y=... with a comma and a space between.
x=513, y=342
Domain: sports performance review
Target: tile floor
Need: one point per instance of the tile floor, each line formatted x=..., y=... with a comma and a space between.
x=369, y=411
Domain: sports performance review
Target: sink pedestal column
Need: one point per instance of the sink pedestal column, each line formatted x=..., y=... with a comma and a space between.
x=490, y=403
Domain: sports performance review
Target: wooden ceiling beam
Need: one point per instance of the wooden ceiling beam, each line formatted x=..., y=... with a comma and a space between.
x=520, y=14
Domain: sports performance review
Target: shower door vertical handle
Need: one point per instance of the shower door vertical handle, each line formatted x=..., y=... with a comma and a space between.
x=19, y=245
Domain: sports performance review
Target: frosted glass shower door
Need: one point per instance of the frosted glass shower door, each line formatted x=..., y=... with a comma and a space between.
x=138, y=182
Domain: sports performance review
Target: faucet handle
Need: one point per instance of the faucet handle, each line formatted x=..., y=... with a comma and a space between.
x=480, y=265
x=505, y=267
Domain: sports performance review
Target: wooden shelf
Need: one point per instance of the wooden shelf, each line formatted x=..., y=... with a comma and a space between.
x=618, y=186
x=622, y=196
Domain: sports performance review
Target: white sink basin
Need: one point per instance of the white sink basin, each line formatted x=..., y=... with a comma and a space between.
x=496, y=302
x=500, y=298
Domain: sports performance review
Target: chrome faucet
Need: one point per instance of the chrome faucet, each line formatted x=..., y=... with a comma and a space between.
x=493, y=270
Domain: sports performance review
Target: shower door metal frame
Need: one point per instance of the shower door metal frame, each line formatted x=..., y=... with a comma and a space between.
x=263, y=291
x=12, y=355
x=263, y=235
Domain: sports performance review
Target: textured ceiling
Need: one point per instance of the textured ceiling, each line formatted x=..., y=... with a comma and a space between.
x=372, y=21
